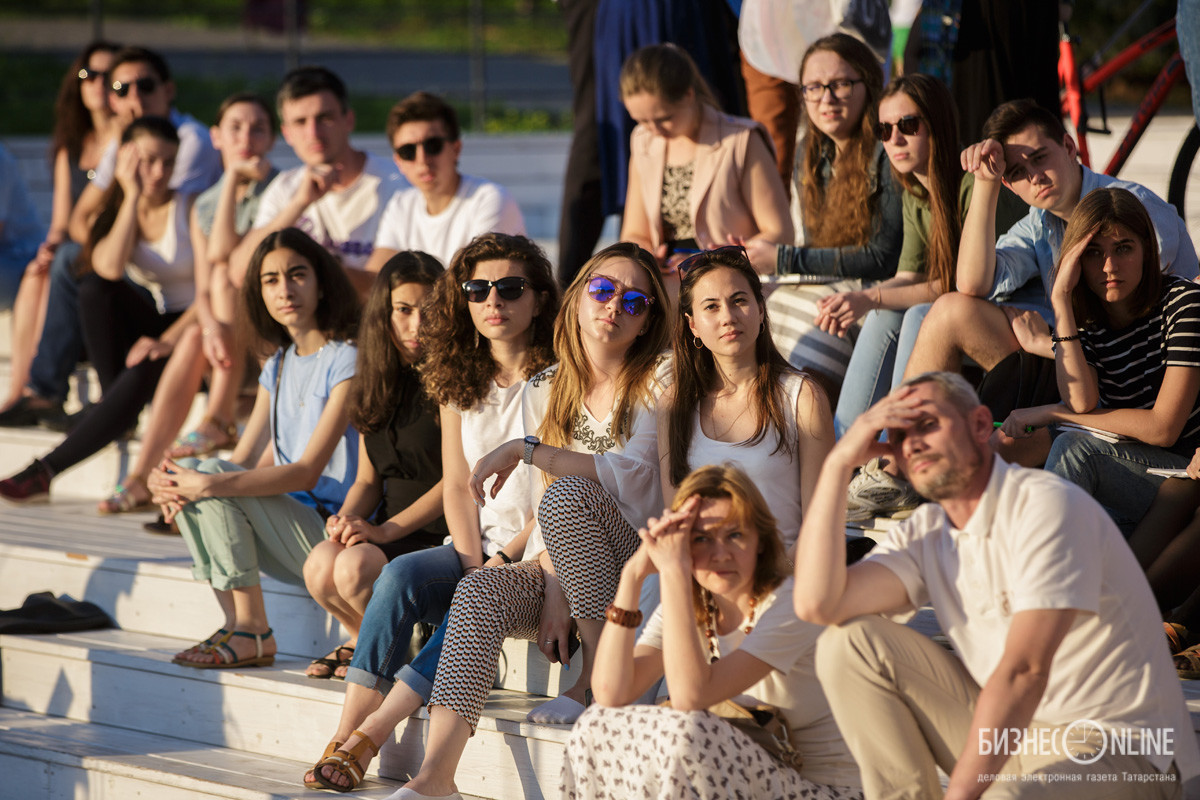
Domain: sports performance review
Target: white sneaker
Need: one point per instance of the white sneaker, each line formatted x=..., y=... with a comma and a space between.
x=875, y=493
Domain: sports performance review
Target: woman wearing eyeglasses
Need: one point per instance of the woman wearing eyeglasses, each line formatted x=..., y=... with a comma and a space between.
x=590, y=421
x=697, y=177
x=444, y=209
x=486, y=331
x=918, y=130
x=734, y=398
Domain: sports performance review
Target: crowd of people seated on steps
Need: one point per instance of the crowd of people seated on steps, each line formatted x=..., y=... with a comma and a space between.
x=648, y=471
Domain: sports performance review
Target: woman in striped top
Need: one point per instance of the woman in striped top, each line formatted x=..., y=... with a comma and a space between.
x=1127, y=352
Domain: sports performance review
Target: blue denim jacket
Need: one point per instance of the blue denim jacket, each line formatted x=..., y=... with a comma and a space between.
x=1030, y=248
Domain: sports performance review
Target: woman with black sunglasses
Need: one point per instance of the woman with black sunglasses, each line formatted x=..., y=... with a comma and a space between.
x=734, y=398
x=486, y=331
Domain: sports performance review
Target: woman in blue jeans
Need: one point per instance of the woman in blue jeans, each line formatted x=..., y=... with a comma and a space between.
x=1127, y=358
x=919, y=133
x=487, y=330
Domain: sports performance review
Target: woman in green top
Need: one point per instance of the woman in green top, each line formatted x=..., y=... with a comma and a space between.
x=918, y=130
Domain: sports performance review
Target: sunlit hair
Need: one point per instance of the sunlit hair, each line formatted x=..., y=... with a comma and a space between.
x=306, y=81
x=337, y=303
x=375, y=390
x=1009, y=119
x=110, y=202
x=840, y=213
x=573, y=378
x=935, y=105
x=72, y=119
x=458, y=366
x=423, y=107
x=142, y=55
x=955, y=387
x=748, y=510
x=696, y=371
x=254, y=100
x=665, y=71
x=1099, y=213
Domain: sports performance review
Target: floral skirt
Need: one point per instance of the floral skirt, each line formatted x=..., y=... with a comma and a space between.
x=658, y=753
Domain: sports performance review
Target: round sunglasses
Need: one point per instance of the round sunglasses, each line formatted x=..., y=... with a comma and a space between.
x=432, y=146
x=144, y=86
x=908, y=126
x=509, y=288
x=633, y=302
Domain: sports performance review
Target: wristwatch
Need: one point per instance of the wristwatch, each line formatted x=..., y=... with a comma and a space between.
x=530, y=443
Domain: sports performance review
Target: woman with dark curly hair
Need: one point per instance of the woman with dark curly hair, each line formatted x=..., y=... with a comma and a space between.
x=486, y=332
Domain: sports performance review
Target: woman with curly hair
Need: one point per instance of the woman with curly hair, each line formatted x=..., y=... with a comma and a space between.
x=399, y=456
x=485, y=333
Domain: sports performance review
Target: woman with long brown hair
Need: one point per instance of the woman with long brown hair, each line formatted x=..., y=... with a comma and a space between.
x=918, y=129
x=734, y=398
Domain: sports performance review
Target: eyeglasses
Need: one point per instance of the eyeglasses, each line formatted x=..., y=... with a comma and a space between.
x=841, y=88
x=85, y=74
x=508, y=288
x=633, y=302
x=432, y=146
x=703, y=257
x=144, y=85
x=906, y=125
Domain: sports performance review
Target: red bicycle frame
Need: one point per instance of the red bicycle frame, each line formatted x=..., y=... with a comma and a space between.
x=1075, y=89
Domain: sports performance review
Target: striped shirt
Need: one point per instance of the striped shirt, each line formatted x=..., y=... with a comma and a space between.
x=1130, y=362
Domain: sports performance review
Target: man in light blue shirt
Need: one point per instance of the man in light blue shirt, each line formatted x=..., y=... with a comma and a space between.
x=1002, y=304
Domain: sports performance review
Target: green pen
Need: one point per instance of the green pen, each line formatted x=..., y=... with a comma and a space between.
x=1028, y=428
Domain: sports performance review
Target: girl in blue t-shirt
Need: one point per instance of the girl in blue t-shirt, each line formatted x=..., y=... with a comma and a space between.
x=267, y=512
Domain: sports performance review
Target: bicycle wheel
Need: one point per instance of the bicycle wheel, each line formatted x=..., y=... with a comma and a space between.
x=1183, y=191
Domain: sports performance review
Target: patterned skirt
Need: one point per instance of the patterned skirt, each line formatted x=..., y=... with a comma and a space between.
x=658, y=753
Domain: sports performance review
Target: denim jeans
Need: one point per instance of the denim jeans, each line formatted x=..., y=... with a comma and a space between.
x=1114, y=474
x=878, y=362
x=61, y=345
x=1187, y=25
x=414, y=587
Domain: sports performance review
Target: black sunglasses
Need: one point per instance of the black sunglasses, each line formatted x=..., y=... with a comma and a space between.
x=144, y=85
x=703, y=257
x=508, y=288
x=432, y=146
x=633, y=302
x=86, y=74
x=906, y=125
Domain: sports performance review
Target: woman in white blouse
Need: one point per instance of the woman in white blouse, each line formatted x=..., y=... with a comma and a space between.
x=725, y=630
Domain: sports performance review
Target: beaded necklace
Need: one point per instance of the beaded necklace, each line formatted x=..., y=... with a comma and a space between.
x=710, y=625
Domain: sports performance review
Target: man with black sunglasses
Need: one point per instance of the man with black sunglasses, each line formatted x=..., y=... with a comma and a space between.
x=337, y=194
x=443, y=209
x=139, y=85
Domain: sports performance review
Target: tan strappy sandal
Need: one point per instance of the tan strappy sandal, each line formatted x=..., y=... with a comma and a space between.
x=348, y=764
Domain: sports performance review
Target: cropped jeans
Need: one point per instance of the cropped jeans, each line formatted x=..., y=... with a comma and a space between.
x=415, y=587
x=878, y=361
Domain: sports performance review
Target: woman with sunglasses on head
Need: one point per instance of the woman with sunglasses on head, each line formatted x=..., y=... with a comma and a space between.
x=918, y=130
x=399, y=457
x=268, y=511
x=697, y=177
x=734, y=398
x=590, y=432
x=724, y=633
x=486, y=331
x=84, y=125
x=846, y=205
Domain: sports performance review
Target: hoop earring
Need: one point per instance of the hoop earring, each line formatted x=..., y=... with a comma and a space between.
x=699, y=345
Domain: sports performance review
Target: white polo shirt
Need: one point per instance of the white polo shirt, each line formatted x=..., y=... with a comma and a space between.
x=1036, y=541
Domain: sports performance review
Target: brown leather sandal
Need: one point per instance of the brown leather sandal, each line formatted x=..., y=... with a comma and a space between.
x=313, y=783
x=348, y=764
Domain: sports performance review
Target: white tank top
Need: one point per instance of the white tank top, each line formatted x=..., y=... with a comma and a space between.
x=166, y=267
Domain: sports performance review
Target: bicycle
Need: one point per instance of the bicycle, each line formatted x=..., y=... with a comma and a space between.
x=1078, y=81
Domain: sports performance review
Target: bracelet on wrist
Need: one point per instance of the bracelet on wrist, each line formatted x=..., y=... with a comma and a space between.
x=505, y=557
x=1056, y=339
x=623, y=617
x=470, y=569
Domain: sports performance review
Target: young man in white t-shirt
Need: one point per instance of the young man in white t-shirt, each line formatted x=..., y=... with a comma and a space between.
x=338, y=194
x=1062, y=687
x=443, y=209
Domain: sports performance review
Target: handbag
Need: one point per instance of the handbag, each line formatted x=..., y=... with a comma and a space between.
x=764, y=724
